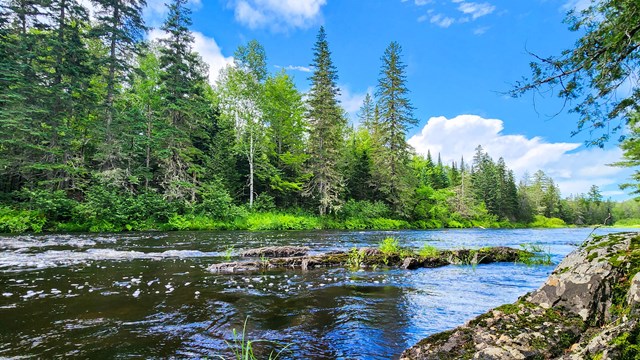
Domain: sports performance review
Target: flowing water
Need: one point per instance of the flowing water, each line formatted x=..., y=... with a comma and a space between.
x=149, y=295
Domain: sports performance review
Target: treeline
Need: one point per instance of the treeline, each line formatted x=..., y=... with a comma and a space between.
x=103, y=130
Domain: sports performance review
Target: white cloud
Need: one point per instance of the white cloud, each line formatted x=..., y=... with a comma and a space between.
x=442, y=21
x=476, y=10
x=573, y=167
x=352, y=101
x=206, y=47
x=481, y=30
x=577, y=5
x=295, y=68
x=278, y=15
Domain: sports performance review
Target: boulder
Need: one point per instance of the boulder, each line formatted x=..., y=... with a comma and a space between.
x=276, y=251
x=589, y=308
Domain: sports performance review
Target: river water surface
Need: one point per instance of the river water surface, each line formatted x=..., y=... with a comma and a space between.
x=149, y=295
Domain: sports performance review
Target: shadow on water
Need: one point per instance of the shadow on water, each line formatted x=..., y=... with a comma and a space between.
x=149, y=294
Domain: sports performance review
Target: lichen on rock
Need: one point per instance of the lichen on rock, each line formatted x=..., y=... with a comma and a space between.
x=589, y=308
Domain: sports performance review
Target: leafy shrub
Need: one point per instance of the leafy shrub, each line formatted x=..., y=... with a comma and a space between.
x=428, y=251
x=264, y=203
x=277, y=221
x=540, y=221
x=631, y=222
x=364, y=210
x=388, y=224
x=389, y=246
x=215, y=201
x=54, y=205
x=17, y=221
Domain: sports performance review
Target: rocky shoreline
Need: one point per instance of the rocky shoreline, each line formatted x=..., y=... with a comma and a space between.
x=589, y=308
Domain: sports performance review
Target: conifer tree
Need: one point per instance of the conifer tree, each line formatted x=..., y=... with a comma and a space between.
x=396, y=116
x=183, y=82
x=120, y=25
x=326, y=122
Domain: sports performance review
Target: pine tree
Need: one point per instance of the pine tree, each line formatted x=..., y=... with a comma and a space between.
x=120, y=25
x=396, y=116
x=327, y=124
x=183, y=82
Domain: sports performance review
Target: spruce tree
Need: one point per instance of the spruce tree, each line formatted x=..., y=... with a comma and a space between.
x=396, y=116
x=120, y=26
x=183, y=82
x=327, y=124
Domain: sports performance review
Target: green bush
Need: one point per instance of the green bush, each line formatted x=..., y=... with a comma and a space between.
x=277, y=221
x=363, y=210
x=264, y=203
x=631, y=222
x=540, y=221
x=428, y=251
x=18, y=221
x=389, y=246
x=54, y=205
x=215, y=201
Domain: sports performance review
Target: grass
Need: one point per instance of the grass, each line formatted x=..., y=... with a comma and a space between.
x=545, y=222
x=243, y=348
x=534, y=254
x=355, y=259
x=428, y=251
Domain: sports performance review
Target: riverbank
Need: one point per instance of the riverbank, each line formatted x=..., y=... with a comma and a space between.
x=36, y=221
x=589, y=308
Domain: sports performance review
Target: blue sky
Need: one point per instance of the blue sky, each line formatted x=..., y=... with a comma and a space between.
x=461, y=57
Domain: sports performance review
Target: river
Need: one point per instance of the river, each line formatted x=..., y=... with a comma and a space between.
x=149, y=295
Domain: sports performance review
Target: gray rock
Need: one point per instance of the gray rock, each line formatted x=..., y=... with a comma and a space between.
x=276, y=251
x=588, y=308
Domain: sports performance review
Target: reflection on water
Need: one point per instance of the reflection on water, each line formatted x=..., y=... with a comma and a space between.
x=149, y=294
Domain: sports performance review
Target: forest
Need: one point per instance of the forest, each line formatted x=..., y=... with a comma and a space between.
x=104, y=130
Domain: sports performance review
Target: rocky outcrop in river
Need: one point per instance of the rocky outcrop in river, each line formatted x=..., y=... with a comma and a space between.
x=589, y=308
x=273, y=258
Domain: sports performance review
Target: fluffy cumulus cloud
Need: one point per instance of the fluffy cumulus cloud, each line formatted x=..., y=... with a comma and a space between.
x=573, y=167
x=278, y=15
x=206, y=47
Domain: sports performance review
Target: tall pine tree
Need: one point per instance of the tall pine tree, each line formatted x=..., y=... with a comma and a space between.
x=327, y=124
x=395, y=117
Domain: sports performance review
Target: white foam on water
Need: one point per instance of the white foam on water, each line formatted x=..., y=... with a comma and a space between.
x=17, y=260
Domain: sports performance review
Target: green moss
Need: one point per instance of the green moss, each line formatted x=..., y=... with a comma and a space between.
x=628, y=345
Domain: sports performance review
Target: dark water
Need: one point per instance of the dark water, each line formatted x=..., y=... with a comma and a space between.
x=149, y=295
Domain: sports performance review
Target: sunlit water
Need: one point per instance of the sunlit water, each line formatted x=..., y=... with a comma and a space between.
x=149, y=294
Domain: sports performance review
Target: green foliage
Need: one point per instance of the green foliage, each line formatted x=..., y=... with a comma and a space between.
x=363, y=209
x=632, y=222
x=534, y=254
x=389, y=246
x=545, y=222
x=277, y=221
x=243, y=348
x=264, y=203
x=215, y=201
x=18, y=221
x=355, y=259
x=428, y=251
x=327, y=123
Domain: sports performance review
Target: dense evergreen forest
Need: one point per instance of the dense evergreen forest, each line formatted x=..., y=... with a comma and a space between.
x=102, y=130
